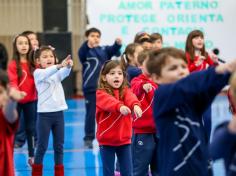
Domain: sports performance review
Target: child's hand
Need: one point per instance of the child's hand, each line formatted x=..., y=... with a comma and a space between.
x=69, y=61
x=227, y=67
x=15, y=94
x=138, y=111
x=147, y=87
x=214, y=57
x=199, y=62
x=119, y=41
x=202, y=58
x=66, y=62
x=124, y=110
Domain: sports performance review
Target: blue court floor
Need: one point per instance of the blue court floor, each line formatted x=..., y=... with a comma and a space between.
x=79, y=161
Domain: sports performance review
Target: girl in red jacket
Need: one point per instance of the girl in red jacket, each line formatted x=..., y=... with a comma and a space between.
x=197, y=57
x=114, y=105
x=20, y=75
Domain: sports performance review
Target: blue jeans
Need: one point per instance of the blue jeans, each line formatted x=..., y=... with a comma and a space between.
x=46, y=122
x=145, y=153
x=124, y=157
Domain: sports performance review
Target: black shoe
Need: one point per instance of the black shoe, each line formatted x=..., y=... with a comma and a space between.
x=88, y=144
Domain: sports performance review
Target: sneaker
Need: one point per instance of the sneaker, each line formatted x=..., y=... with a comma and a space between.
x=117, y=173
x=88, y=144
x=31, y=161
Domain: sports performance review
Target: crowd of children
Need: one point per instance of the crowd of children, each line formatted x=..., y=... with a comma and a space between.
x=150, y=112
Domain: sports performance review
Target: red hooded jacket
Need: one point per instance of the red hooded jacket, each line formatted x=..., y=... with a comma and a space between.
x=144, y=124
x=113, y=128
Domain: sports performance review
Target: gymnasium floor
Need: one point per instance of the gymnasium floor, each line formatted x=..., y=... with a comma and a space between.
x=79, y=161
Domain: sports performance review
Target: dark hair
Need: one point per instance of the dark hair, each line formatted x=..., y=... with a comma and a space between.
x=141, y=37
x=90, y=30
x=3, y=78
x=156, y=36
x=28, y=32
x=37, y=52
x=16, y=56
x=143, y=56
x=189, y=48
x=103, y=85
x=129, y=50
x=3, y=57
x=158, y=58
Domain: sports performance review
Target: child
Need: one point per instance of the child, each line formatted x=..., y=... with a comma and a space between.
x=156, y=40
x=51, y=103
x=129, y=60
x=20, y=70
x=20, y=137
x=144, y=141
x=8, y=124
x=92, y=56
x=198, y=59
x=224, y=138
x=144, y=39
x=33, y=38
x=179, y=103
x=196, y=55
x=113, y=116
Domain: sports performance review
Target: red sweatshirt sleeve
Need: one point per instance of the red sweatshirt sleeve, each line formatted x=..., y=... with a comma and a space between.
x=130, y=99
x=107, y=102
x=12, y=74
x=209, y=60
x=137, y=86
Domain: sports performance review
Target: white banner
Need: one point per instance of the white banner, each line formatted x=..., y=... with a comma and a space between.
x=174, y=19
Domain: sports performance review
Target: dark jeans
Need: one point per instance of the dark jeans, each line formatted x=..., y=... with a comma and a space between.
x=90, y=105
x=123, y=154
x=20, y=136
x=29, y=112
x=46, y=122
x=145, y=153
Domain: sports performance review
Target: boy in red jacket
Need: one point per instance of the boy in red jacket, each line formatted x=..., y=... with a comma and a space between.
x=8, y=124
x=145, y=141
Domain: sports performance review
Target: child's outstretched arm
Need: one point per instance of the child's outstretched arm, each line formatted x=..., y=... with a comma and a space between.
x=9, y=109
x=198, y=89
x=108, y=103
x=114, y=50
x=65, y=67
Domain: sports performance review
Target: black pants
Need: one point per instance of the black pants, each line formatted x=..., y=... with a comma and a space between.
x=29, y=112
x=90, y=105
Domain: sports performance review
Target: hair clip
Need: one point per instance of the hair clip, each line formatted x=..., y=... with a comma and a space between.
x=52, y=48
x=35, y=48
x=125, y=59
